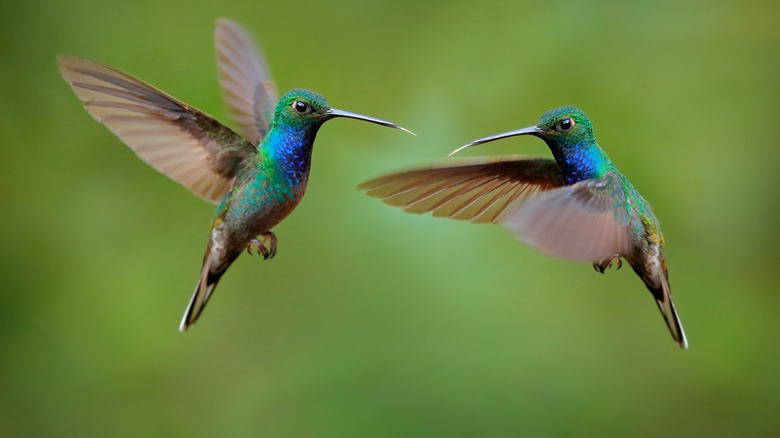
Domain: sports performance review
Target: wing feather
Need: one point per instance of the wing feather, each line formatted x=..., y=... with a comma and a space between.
x=183, y=143
x=246, y=80
x=479, y=192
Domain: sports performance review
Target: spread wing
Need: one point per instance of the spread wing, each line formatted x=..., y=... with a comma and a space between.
x=479, y=192
x=246, y=81
x=586, y=221
x=183, y=143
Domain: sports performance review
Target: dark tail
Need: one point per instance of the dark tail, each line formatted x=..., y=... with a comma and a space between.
x=206, y=284
x=658, y=283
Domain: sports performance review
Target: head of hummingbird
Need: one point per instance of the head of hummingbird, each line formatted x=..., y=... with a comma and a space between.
x=307, y=110
x=299, y=108
x=564, y=126
x=569, y=135
x=561, y=128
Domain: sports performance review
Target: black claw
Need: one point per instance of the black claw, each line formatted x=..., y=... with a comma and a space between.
x=269, y=241
x=266, y=248
x=603, y=265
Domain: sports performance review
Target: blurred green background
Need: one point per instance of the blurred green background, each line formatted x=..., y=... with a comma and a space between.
x=371, y=322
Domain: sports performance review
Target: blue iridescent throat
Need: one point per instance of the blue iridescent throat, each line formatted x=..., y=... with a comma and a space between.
x=289, y=148
x=581, y=161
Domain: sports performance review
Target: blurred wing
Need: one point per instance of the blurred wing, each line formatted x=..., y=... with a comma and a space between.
x=246, y=82
x=478, y=192
x=181, y=142
x=586, y=221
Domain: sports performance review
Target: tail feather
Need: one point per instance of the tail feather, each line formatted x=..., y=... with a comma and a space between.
x=206, y=284
x=666, y=306
x=657, y=282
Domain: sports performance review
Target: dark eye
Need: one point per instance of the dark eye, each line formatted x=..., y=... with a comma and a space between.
x=565, y=124
x=301, y=107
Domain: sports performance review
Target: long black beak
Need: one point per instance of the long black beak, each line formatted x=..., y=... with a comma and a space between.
x=339, y=113
x=531, y=130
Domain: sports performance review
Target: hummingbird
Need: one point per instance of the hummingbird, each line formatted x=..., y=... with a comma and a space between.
x=256, y=176
x=577, y=206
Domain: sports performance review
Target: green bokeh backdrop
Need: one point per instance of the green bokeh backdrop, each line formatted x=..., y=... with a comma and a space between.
x=372, y=322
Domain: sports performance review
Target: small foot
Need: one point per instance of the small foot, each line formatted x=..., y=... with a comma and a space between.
x=266, y=248
x=607, y=263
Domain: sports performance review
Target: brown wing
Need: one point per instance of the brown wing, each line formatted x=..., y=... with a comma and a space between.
x=479, y=192
x=246, y=81
x=586, y=221
x=183, y=143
